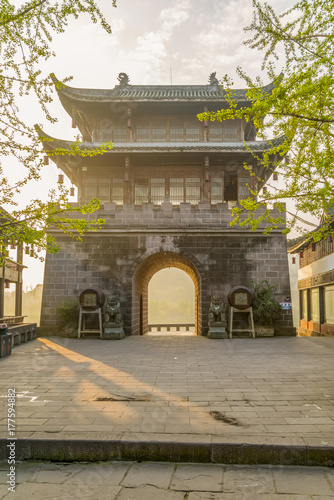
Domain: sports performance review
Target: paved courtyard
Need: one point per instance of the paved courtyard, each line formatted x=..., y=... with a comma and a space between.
x=166, y=481
x=173, y=387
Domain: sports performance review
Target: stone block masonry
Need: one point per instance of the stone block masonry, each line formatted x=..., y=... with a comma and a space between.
x=128, y=251
x=168, y=216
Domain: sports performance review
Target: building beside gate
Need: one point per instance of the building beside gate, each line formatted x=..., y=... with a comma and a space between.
x=167, y=187
x=10, y=271
x=315, y=285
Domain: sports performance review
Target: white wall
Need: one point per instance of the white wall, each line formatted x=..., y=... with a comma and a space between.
x=320, y=266
x=294, y=276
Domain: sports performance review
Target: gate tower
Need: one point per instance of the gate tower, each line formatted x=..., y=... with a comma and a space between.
x=167, y=188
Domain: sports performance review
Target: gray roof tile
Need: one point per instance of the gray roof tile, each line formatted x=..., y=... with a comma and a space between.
x=141, y=147
x=153, y=92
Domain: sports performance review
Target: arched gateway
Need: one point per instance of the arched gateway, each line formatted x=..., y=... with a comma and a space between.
x=151, y=264
x=167, y=187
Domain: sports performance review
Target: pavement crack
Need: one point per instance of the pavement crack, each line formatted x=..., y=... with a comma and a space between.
x=122, y=398
x=196, y=476
x=111, y=398
x=135, y=487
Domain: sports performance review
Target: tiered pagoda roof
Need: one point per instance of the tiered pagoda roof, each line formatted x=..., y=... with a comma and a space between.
x=138, y=93
x=83, y=104
x=69, y=163
x=51, y=144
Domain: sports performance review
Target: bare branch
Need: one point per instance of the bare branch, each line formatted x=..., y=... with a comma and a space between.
x=302, y=117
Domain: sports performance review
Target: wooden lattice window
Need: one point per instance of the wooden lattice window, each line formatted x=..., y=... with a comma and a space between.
x=193, y=131
x=216, y=190
x=141, y=191
x=243, y=188
x=159, y=131
x=104, y=132
x=231, y=131
x=143, y=132
x=157, y=191
x=104, y=135
x=104, y=189
x=193, y=190
x=97, y=188
x=176, y=190
x=215, y=132
x=91, y=188
x=176, y=131
x=120, y=133
x=117, y=191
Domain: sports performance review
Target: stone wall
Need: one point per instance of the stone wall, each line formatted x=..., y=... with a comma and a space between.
x=125, y=255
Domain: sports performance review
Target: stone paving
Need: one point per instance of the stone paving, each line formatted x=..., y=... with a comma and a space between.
x=170, y=388
x=166, y=481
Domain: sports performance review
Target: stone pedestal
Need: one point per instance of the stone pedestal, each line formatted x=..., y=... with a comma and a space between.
x=111, y=331
x=217, y=331
x=264, y=331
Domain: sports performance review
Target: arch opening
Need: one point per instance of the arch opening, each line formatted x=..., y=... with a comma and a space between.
x=140, y=288
x=171, y=302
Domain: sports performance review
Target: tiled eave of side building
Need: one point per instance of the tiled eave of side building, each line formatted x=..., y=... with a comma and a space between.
x=299, y=244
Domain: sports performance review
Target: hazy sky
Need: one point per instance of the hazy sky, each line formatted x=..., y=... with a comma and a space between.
x=192, y=37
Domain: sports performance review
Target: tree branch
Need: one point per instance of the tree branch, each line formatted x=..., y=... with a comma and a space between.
x=295, y=216
x=310, y=36
x=22, y=13
x=295, y=40
x=294, y=115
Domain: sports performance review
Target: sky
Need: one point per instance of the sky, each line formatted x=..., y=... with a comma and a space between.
x=154, y=42
x=149, y=37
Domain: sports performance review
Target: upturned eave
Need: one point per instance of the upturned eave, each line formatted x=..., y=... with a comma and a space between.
x=51, y=143
x=70, y=163
x=153, y=93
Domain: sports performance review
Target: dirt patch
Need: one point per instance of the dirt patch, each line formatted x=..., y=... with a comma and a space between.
x=218, y=415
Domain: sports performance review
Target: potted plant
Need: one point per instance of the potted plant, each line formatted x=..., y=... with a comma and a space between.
x=266, y=309
x=69, y=314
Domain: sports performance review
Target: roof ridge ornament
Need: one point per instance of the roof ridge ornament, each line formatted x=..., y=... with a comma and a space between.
x=213, y=80
x=123, y=79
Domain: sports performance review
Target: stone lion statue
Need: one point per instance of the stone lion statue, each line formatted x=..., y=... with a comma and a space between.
x=112, y=310
x=217, y=310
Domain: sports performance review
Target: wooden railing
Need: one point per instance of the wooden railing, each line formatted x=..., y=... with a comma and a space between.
x=170, y=327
